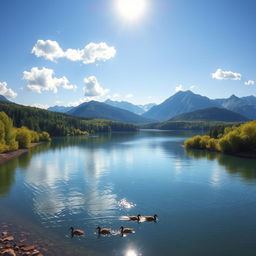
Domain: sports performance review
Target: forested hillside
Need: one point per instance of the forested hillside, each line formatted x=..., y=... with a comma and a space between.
x=58, y=124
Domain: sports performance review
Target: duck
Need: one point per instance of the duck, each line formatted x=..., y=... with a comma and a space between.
x=150, y=218
x=135, y=218
x=76, y=232
x=126, y=230
x=104, y=231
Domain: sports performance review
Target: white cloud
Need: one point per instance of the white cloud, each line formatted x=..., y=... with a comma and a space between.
x=7, y=92
x=192, y=87
x=48, y=49
x=93, y=88
x=116, y=96
x=129, y=96
x=43, y=80
x=179, y=88
x=250, y=82
x=219, y=74
x=91, y=53
x=38, y=105
x=77, y=102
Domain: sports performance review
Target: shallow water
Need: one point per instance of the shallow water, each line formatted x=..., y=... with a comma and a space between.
x=205, y=201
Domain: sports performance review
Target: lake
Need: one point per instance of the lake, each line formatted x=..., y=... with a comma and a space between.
x=205, y=201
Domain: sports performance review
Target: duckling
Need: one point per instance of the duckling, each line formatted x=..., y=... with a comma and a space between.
x=126, y=230
x=150, y=218
x=134, y=218
x=76, y=232
x=104, y=231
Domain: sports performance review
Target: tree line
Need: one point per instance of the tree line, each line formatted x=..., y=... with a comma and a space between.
x=187, y=125
x=233, y=139
x=59, y=124
x=12, y=138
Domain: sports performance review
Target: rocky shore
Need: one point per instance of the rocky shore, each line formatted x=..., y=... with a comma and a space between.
x=13, y=244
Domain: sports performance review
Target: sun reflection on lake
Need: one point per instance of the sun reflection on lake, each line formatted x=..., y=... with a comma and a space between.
x=131, y=253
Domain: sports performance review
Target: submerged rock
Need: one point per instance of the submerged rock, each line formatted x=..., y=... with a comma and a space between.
x=8, y=252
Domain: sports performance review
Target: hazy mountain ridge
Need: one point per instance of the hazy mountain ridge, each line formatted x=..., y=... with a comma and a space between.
x=181, y=102
x=126, y=105
x=3, y=99
x=60, y=109
x=187, y=101
x=95, y=109
x=211, y=114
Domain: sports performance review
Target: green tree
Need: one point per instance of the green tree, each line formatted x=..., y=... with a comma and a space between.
x=23, y=136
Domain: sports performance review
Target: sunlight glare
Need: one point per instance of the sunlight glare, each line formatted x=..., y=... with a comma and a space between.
x=131, y=9
x=131, y=253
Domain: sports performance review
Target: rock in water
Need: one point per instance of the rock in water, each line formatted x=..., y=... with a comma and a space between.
x=8, y=252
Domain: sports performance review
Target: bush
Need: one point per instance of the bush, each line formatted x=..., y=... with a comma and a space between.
x=44, y=136
x=236, y=139
x=23, y=136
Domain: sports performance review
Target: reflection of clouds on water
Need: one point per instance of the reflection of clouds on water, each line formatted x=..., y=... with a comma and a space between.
x=216, y=176
x=178, y=165
x=125, y=204
x=62, y=186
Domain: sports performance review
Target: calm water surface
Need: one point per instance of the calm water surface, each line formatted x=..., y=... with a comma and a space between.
x=206, y=202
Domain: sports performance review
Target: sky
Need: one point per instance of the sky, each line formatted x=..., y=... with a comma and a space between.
x=55, y=52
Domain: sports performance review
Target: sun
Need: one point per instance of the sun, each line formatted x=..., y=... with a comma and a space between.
x=131, y=9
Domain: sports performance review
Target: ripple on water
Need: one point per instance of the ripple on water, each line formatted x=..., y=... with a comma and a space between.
x=123, y=203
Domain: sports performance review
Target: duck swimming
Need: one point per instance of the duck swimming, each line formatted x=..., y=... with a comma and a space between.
x=104, y=231
x=135, y=218
x=126, y=230
x=150, y=218
x=76, y=232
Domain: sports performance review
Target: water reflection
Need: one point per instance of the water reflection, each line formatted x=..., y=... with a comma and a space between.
x=131, y=253
x=89, y=181
x=8, y=169
x=233, y=165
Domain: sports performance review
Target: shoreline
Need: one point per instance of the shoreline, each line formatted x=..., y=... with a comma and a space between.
x=4, y=157
x=241, y=155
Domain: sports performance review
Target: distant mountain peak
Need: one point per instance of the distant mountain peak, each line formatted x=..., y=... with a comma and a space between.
x=233, y=96
x=3, y=98
x=96, y=109
x=136, y=109
x=180, y=102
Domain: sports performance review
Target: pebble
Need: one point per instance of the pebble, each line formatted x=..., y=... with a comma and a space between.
x=8, y=252
x=4, y=233
x=28, y=248
x=9, y=238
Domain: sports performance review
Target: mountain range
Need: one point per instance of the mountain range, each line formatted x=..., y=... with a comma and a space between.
x=187, y=101
x=95, y=109
x=3, y=99
x=179, y=103
x=211, y=114
x=60, y=109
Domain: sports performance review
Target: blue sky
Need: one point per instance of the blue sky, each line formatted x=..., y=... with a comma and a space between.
x=175, y=44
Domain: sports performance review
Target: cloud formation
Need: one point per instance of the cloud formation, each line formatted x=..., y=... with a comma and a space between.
x=7, y=92
x=179, y=88
x=93, y=88
x=219, y=74
x=38, y=105
x=48, y=49
x=91, y=52
x=250, y=82
x=43, y=80
x=129, y=96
